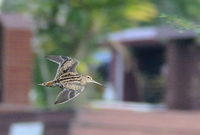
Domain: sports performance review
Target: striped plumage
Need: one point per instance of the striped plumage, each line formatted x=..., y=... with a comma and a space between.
x=68, y=79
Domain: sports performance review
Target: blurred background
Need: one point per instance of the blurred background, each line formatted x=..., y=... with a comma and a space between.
x=146, y=53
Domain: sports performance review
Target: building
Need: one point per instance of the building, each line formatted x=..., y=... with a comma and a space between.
x=158, y=50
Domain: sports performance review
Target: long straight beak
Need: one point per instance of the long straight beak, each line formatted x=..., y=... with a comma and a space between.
x=99, y=84
x=41, y=84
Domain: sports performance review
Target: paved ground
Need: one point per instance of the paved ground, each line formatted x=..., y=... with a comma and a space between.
x=128, y=122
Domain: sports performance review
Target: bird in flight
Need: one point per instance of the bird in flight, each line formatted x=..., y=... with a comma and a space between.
x=67, y=78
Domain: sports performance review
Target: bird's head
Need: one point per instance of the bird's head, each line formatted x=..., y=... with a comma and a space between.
x=90, y=80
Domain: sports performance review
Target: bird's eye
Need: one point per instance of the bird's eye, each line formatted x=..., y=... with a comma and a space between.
x=88, y=77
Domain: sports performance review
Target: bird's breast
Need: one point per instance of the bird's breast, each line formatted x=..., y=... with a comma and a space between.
x=74, y=87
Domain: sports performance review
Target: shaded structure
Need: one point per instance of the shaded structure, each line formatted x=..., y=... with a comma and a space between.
x=161, y=50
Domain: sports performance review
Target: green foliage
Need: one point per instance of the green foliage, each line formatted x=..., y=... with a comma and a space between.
x=181, y=24
x=68, y=23
x=181, y=14
x=182, y=8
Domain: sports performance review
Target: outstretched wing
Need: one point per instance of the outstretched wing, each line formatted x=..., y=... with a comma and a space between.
x=67, y=95
x=66, y=64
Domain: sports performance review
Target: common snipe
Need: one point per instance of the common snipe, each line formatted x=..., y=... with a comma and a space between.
x=67, y=78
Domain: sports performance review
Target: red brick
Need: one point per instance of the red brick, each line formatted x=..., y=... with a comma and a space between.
x=17, y=60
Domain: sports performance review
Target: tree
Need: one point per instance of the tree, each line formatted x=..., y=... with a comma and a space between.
x=183, y=14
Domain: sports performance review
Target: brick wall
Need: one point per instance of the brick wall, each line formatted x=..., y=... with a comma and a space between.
x=16, y=58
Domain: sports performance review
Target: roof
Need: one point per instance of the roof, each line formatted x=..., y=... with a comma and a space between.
x=14, y=21
x=153, y=34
